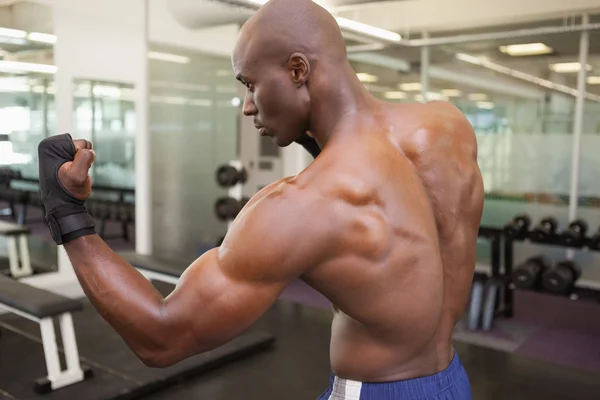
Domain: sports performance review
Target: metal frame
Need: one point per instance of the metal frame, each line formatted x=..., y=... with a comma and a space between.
x=18, y=256
x=57, y=377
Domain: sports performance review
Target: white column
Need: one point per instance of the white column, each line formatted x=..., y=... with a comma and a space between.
x=143, y=180
x=105, y=41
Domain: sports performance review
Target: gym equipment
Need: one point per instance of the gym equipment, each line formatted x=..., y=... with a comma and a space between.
x=18, y=248
x=476, y=300
x=492, y=288
x=545, y=230
x=517, y=229
x=595, y=242
x=574, y=235
x=561, y=278
x=41, y=306
x=227, y=208
x=529, y=274
x=229, y=176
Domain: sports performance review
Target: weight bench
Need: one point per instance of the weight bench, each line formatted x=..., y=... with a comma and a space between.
x=155, y=268
x=18, y=259
x=42, y=306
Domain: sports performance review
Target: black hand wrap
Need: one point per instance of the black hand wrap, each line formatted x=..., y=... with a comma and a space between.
x=309, y=144
x=66, y=216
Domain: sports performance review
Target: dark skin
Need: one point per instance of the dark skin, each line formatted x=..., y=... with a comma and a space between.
x=384, y=222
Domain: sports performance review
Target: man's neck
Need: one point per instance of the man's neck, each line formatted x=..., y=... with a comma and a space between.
x=339, y=95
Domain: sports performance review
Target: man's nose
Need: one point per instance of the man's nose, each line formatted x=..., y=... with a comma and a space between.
x=249, y=107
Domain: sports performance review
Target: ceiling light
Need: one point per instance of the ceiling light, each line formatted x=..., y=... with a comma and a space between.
x=368, y=78
x=418, y=97
x=478, y=96
x=593, y=80
x=565, y=68
x=451, y=92
x=410, y=87
x=21, y=67
x=435, y=96
x=394, y=95
x=485, y=105
x=13, y=33
x=526, y=49
x=154, y=55
x=42, y=37
x=224, y=72
x=370, y=30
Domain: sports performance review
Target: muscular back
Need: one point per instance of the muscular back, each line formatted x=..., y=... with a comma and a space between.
x=403, y=188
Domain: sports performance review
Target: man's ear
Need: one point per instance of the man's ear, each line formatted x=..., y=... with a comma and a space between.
x=299, y=68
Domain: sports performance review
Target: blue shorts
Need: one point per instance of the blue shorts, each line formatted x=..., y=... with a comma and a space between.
x=449, y=384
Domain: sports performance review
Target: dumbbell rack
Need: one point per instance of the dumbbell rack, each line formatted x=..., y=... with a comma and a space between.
x=579, y=292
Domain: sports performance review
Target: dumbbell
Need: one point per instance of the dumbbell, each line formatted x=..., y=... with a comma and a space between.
x=228, y=176
x=227, y=208
x=561, y=278
x=574, y=235
x=595, y=242
x=529, y=274
x=545, y=230
x=518, y=227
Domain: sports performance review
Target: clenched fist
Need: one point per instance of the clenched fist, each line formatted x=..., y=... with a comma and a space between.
x=74, y=175
x=65, y=185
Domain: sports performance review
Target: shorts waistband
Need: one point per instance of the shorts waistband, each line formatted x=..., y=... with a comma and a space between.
x=417, y=388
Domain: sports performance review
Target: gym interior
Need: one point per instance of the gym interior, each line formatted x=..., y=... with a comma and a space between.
x=150, y=84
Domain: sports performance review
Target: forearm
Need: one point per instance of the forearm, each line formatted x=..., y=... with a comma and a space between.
x=122, y=296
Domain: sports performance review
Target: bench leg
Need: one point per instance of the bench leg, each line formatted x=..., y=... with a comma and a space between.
x=22, y=267
x=24, y=252
x=57, y=378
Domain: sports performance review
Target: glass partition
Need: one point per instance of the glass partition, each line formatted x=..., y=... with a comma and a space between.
x=104, y=114
x=27, y=116
x=194, y=116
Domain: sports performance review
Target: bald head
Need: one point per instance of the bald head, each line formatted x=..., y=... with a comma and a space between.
x=290, y=55
x=282, y=27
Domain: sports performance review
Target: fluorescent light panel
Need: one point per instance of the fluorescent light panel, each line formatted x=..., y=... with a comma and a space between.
x=42, y=37
x=526, y=49
x=13, y=33
x=174, y=58
x=570, y=67
x=485, y=105
x=368, y=29
x=451, y=92
x=478, y=96
x=394, y=95
x=410, y=87
x=593, y=80
x=368, y=78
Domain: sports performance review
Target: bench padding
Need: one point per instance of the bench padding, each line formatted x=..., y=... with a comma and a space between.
x=10, y=229
x=34, y=301
x=154, y=264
